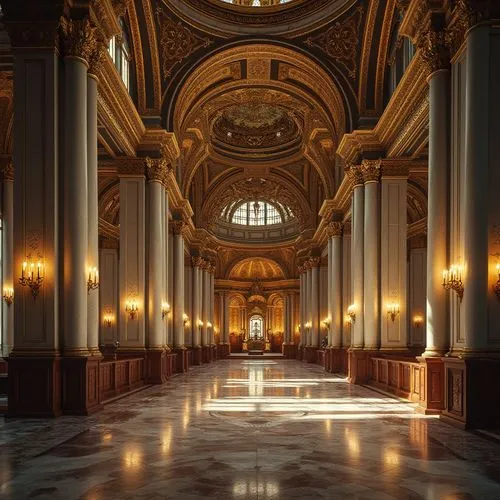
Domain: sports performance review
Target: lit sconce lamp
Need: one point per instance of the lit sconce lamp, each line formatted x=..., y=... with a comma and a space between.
x=108, y=320
x=497, y=284
x=326, y=322
x=8, y=295
x=165, y=309
x=351, y=313
x=452, y=280
x=185, y=318
x=93, y=281
x=418, y=320
x=131, y=308
x=393, y=310
x=308, y=324
x=32, y=277
x=209, y=325
x=200, y=323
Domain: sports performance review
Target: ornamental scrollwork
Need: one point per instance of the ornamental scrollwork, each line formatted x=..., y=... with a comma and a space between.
x=335, y=229
x=371, y=170
x=177, y=41
x=78, y=38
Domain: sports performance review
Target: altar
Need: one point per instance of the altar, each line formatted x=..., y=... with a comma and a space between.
x=256, y=343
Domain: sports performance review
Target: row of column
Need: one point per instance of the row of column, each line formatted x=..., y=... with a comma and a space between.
x=309, y=303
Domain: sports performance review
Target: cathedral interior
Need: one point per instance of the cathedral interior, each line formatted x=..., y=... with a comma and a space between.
x=249, y=249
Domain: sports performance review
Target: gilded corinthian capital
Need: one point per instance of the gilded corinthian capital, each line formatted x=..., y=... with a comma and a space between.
x=434, y=49
x=371, y=170
x=334, y=229
x=355, y=175
x=79, y=38
x=156, y=169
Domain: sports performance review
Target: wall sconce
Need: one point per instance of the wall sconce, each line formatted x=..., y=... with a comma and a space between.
x=209, y=325
x=165, y=309
x=393, y=310
x=32, y=275
x=308, y=324
x=351, y=312
x=108, y=320
x=452, y=280
x=93, y=281
x=8, y=296
x=185, y=318
x=418, y=321
x=200, y=323
x=496, y=288
x=131, y=308
x=326, y=322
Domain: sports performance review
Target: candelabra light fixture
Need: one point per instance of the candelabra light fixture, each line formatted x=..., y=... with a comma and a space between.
x=496, y=288
x=326, y=322
x=32, y=275
x=418, y=320
x=8, y=295
x=393, y=310
x=209, y=325
x=351, y=313
x=108, y=320
x=452, y=280
x=93, y=280
x=200, y=323
x=131, y=308
x=308, y=325
x=185, y=318
x=165, y=309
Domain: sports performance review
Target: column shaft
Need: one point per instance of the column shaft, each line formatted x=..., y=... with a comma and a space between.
x=315, y=330
x=196, y=304
x=330, y=291
x=358, y=330
x=178, y=288
x=7, y=255
x=205, y=306
x=336, y=294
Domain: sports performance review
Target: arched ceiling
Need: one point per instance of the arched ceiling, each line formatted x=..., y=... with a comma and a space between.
x=256, y=269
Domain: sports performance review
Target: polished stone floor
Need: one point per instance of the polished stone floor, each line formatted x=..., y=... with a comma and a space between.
x=241, y=429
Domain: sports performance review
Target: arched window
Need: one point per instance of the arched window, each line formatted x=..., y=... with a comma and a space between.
x=119, y=50
x=256, y=327
x=257, y=213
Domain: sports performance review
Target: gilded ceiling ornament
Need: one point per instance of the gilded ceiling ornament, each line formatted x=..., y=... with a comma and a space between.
x=371, y=170
x=177, y=41
x=335, y=229
x=120, y=7
x=341, y=41
x=79, y=38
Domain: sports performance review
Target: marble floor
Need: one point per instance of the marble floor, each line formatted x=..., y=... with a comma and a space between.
x=248, y=429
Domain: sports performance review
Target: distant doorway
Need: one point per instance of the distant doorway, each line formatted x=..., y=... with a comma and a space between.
x=256, y=327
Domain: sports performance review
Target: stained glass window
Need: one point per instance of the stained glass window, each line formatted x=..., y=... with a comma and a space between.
x=257, y=213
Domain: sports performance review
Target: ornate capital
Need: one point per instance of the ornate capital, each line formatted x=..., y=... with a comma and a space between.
x=301, y=269
x=434, y=50
x=79, y=38
x=335, y=229
x=178, y=226
x=211, y=268
x=156, y=169
x=355, y=175
x=6, y=171
x=197, y=262
x=371, y=170
x=314, y=261
x=96, y=58
x=120, y=7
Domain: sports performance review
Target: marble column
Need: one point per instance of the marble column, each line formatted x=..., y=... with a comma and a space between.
x=303, y=320
x=371, y=268
x=437, y=342
x=155, y=171
x=335, y=231
x=329, y=291
x=308, y=304
x=93, y=198
x=170, y=284
x=315, y=330
x=197, y=309
x=205, y=301
x=178, y=294
x=75, y=177
x=479, y=130
x=7, y=178
x=358, y=213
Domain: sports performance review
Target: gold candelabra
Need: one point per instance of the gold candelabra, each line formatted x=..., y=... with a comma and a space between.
x=496, y=287
x=93, y=280
x=32, y=275
x=452, y=280
x=8, y=295
x=393, y=310
x=131, y=308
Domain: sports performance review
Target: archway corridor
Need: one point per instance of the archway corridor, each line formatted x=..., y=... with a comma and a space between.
x=248, y=429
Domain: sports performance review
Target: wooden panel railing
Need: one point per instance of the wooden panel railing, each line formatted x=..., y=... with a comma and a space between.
x=120, y=376
x=403, y=377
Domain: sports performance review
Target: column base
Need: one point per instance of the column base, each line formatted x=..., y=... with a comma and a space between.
x=471, y=400
x=358, y=366
x=289, y=351
x=156, y=366
x=429, y=384
x=197, y=355
x=205, y=353
x=80, y=390
x=182, y=360
x=223, y=351
x=34, y=386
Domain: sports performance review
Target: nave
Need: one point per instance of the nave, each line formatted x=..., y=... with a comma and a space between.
x=248, y=429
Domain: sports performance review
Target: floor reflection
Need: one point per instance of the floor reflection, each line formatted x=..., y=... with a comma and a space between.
x=256, y=429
